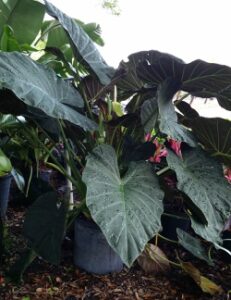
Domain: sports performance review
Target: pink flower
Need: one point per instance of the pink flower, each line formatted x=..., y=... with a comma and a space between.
x=228, y=175
x=148, y=137
x=160, y=152
x=176, y=147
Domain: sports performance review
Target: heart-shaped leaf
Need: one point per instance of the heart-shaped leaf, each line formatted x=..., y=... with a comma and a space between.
x=168, y=117
x=44, y=226
x=127, y=209
x=215, y=135
x=149, y=114
x=193, y=245
x=39, y=87
x=83, y=47
x=198, y=78
x=201, y=178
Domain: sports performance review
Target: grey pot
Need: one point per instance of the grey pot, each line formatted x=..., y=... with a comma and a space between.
x=92, y=252
x=5, y=182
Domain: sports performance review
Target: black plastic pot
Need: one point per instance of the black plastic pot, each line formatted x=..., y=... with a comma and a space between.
x=171, y=222
x=45, y=175
x=5, y=182
x=92, y=252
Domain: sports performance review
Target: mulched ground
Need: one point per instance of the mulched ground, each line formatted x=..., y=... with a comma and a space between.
x=44, y=281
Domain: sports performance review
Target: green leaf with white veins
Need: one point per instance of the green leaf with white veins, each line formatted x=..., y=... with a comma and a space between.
x=38, y=86
x=149, y=114
x=201, y=178
x=83, y=47
x=127, y=209
x=168, y=117
x=193, y=245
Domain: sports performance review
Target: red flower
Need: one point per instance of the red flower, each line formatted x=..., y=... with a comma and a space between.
x=159, y=153
x=176, y=147
x=228, y=175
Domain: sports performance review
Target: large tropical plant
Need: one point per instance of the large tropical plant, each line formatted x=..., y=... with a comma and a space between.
x=113, y=177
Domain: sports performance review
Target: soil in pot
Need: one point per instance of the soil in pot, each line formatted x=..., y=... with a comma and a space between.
x=92, y=252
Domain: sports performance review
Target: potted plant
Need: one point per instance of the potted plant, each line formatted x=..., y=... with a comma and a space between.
x=5, y=181
x=107, y=152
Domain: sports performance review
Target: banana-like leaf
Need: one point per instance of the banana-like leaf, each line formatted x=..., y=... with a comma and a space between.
x=83, y=47
x=44, y=226
x=38, y=86
x=8, y=122
x=201, y=178
x=149, y=114
x=198, y=78
x=127, y=209
x=24, y=17
x=168, y=117
x=56, y=36
x=215, y=135
x=193, y=245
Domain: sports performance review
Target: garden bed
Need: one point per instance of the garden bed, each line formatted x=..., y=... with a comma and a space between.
x=44, y=281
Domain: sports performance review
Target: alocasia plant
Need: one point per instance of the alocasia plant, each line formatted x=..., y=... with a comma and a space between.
x=120, y=186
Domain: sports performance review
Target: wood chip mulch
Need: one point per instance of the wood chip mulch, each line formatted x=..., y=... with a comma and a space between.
x=66, y=282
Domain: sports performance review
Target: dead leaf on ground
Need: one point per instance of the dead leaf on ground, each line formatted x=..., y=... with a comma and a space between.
x=153, y=260
x=204, y=283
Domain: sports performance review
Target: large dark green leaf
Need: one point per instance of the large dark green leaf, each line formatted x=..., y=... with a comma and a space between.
x=193, y=245
x=44, y=226
x=130, y=85
x=19, y=267
x=201, y=178
x=215, y=135
x=186, y=109
x=168, y=117
x=24, y=16
x=83, y=47
x=39, y=87
x=199, y=78
x=127, y=209
x=149, y=114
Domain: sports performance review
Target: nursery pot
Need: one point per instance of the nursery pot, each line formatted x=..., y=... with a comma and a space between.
x=171, y=222
x=92, y=252
x=5, y=182
x=45, y=174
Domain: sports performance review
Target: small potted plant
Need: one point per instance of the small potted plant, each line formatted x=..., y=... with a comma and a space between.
x=5, y=181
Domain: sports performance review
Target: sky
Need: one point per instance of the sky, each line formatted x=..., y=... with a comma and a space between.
x=188, y=29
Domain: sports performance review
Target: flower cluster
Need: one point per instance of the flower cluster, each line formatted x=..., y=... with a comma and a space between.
x=161, y=150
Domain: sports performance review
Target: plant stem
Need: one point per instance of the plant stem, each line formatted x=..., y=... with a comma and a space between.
x=166, y=239
x=69, y=183
x=29, y=181
x=162, y=171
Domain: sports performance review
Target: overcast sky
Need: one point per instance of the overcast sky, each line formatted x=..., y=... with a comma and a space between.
x=189, y=29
